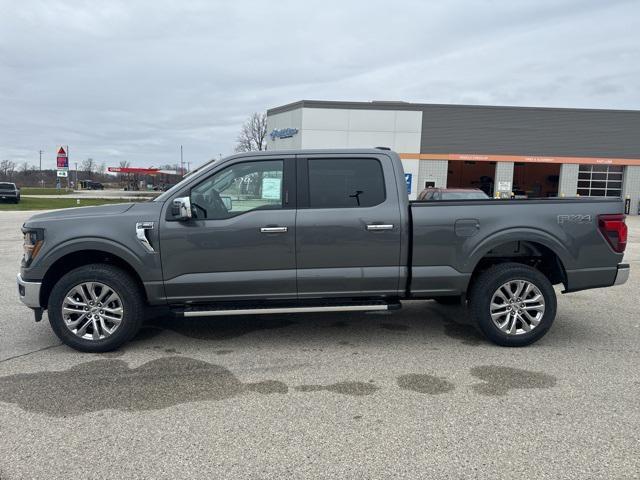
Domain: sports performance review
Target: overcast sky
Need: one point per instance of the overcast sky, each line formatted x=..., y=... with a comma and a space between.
x=132, y=80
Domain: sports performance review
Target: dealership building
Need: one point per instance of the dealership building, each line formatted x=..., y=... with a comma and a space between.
x=522, y=151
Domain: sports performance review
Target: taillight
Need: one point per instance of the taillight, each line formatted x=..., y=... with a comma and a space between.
x=614, y=229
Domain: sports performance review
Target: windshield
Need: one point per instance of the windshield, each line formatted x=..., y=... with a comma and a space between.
x=165, y=195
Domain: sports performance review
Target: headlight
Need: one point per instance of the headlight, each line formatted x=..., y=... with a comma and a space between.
x=32, y=244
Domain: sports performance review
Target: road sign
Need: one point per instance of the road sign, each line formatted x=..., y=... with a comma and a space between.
x=62, y=160
x=63, y=173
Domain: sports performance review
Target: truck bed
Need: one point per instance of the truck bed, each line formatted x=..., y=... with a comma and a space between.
x=449, y=238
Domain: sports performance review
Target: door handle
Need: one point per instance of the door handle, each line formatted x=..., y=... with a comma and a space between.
x=274, y=229
x=375, y=227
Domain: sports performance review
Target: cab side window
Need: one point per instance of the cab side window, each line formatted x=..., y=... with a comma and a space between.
x=345, y=183
x=239, y=188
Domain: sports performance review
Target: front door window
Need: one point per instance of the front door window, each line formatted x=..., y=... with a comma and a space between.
x=240, y=188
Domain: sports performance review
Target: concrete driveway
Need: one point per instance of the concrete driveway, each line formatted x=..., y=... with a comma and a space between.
x=415, y=394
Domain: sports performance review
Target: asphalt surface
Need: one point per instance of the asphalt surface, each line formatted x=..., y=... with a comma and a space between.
x=414, y=394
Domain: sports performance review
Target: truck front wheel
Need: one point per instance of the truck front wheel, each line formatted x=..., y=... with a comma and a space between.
x=96, y=308
x=513, y=304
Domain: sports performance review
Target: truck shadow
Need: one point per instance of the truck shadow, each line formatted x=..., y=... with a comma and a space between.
x=420, y=319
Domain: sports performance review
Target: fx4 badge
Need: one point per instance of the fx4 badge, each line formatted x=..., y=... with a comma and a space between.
x=574, y=219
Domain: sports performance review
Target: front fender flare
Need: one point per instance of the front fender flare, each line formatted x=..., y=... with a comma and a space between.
x=137, y=262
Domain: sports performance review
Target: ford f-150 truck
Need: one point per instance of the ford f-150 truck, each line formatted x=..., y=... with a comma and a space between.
x=308, y=231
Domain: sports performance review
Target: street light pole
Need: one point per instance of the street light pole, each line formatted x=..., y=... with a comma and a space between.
x=40, y=152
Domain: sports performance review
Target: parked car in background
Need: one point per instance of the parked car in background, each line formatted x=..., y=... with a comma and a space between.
x=452, y=194
x=91, y=185
x=9, y=192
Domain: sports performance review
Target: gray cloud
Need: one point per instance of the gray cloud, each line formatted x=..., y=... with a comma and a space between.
x=135, y=79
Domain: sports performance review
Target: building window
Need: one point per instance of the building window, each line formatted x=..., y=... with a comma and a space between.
x=600, y=181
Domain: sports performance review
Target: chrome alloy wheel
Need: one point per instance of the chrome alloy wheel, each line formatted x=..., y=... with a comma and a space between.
x=92, y=310
x=517, y=307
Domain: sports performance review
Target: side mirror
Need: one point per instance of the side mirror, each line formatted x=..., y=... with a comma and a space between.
x=181, y=208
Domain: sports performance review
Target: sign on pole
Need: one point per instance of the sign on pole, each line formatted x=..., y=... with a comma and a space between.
x=63, y=173
x=62, y=159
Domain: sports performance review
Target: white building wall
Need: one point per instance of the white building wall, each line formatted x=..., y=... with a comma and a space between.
x=433, y=171
x=278, y=121
x=353, y=128
x=568, y=183
x=631, y=187
x=503, y=181
x=399, y=130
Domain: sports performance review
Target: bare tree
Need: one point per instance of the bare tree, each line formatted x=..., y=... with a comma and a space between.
x=253, y=134
x=88, y=166
x=7, y=167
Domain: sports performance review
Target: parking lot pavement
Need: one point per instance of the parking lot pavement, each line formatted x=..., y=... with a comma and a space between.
x=417, y=394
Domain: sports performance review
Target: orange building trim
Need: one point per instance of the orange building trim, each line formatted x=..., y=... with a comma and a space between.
x=474, y=157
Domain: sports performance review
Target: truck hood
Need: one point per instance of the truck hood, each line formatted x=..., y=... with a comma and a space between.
x=81, y=212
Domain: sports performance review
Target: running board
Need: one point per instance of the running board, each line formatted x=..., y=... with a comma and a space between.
x=266, y=311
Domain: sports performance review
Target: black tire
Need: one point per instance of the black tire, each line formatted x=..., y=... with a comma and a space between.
x=120, y=282
x=488, y=283
x=452, y=300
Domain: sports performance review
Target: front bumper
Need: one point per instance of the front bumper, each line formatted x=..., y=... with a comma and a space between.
x=623, y=274
x=29, y=292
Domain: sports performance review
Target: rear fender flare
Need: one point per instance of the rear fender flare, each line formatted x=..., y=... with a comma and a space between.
x=553, y=243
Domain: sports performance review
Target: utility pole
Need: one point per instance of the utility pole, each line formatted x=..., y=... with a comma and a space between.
x=75, y=185
x=40, y=152
x=181, y=162
x=68, y=167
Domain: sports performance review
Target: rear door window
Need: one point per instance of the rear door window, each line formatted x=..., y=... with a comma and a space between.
x=345, y=183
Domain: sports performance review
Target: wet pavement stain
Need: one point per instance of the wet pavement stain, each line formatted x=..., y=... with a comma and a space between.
x=268, y=386
x=343, y=388
x=111, y=384
x=499, y=380
x=397, y=327
x=465, y=332
x=422, y=383
x=221, y=328
x=166, y=350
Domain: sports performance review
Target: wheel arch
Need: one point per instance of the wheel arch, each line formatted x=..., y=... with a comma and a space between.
x=67, y=261
x=530, y=247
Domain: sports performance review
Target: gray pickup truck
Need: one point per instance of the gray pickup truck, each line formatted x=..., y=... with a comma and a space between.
x=311, y=231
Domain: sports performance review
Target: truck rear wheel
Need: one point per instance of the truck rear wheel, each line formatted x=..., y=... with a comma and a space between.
x=96, y=308
x=513, y=304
